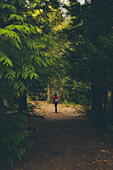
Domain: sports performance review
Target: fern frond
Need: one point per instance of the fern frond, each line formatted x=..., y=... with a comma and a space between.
x=31, y=44
x=32, y=28
x=21, y=28
x=18, y=85
x=10, y=74
x=43, y=62
x=35, y=29
x=49, y=61
x=38, y=45
x=38, y=30
x=5, y=60
x=35, y=57
x=10, y=7
x=17, y=17
x=29, y=71
x=25, y=28
x=33, y=75
x=19, y=73
x=39, y=60
x=42, y=53
x=11, y=36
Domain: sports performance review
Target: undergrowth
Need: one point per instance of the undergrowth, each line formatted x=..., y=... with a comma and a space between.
x=13, y=137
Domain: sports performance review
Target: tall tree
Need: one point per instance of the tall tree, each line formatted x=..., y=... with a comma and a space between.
x=101, y=24
x=88, y=57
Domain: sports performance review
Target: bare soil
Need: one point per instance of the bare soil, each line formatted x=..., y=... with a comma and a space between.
x=65, y=141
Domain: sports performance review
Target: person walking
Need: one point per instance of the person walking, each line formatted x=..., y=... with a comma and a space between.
x=55, y=101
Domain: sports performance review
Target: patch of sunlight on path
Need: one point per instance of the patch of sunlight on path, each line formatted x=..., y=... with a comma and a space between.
x=42, y=108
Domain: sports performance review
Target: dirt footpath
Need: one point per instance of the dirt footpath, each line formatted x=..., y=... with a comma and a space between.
x=65, y=141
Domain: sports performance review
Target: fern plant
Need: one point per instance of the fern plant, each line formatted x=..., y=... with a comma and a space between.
x=24, y=54
x=13, y=138
x=22, y=47
x=16, y=65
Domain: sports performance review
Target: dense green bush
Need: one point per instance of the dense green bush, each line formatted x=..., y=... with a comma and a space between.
x=13, y=135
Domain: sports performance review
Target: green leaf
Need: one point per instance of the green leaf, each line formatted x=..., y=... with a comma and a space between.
x=21, y=28
x=17, y=17
x=11, y=36
x=10, y=74
x=29, y=71
x=5, y=59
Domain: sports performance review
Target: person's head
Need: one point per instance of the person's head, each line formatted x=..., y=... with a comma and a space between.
x=55, y=94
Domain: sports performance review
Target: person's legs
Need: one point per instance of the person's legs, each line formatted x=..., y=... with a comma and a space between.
x=55, y=108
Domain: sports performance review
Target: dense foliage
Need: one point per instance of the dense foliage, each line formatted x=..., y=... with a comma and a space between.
x=25, y=43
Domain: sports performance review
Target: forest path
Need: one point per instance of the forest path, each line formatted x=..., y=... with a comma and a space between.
x=65, y=141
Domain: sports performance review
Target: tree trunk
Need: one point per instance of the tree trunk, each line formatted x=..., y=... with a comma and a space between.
x=97, y=30
x=97, y=108
x=2, y=104
x=23, y=103
x=112, y=104
x=105, y=94
x=48, y=94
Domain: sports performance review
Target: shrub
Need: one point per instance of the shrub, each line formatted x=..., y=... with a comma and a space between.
x=13, y=135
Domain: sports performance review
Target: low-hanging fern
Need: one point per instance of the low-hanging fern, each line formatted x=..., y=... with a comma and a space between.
x=13, y=136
